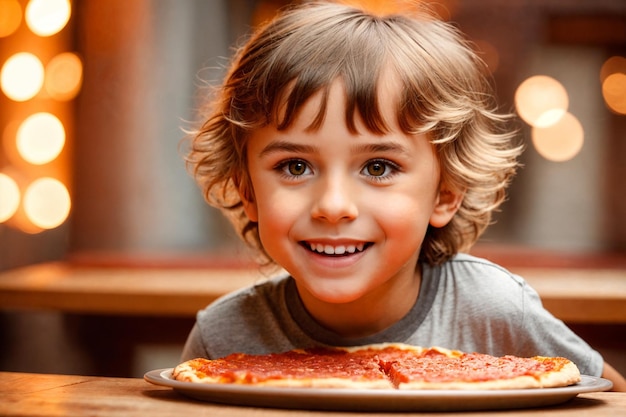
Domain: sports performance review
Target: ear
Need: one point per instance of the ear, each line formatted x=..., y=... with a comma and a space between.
x=247, y=198
x=446, y=206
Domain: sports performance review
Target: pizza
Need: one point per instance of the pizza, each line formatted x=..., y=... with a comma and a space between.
x=382, y=366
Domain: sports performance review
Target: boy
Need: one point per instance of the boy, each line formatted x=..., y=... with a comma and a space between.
x=363, y=154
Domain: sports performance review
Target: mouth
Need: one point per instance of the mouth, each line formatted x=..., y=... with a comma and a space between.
x=336, y=250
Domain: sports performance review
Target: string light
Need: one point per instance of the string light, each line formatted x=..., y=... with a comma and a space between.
x=47, y=203
x=47, y=17
x=22, y=76
x=64, y=75
x=40, y=138
x=561, y=141
x=541, y=101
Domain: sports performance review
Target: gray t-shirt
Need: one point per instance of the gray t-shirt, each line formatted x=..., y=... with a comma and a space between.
x=467, y=303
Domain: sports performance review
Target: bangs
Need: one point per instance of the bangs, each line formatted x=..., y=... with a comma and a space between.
x=342, y=47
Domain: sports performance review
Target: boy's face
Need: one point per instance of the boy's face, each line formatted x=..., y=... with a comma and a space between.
x=345, y=214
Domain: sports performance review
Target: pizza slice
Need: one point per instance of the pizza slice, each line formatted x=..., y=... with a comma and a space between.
x=319, y=368
x=438, y=368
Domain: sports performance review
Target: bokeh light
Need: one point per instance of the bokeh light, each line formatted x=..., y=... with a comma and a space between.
x=33, y=134
x=613, y=65
x=541, y=101
x=22, y=76
x=10, y=17
x=47, y=203
x=47, y=17
x=40, y=138
x=64, y=74
x=9, y=197
x=614, y=92
x=560, y=142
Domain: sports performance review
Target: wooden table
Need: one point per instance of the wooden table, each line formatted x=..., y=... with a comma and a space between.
x=591, y=295
x=113, y=290
x=65, y=395
x=580, y=295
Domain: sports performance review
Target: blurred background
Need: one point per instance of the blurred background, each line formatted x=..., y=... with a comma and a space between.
x=95, y=96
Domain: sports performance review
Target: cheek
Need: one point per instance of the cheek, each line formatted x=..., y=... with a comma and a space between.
x=405, y=215
x=277, y=212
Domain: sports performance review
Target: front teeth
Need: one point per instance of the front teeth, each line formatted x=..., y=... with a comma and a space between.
x=336, y=250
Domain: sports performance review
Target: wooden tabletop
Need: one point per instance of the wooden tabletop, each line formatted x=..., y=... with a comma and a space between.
x=119, y=290
x=592, y=295
x=580, y=295
x=66, y=395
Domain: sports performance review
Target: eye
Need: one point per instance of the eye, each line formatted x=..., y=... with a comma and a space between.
x=293, y=168
x=379, y=168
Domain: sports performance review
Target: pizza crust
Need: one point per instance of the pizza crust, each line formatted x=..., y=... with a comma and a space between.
x=568, y=374
x=187, y=372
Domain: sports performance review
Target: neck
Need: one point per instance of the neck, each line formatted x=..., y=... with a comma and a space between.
x=369, y=314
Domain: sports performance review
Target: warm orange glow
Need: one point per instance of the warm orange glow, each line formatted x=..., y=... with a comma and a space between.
x=47, y=17
x=386, y=7
x=541, y=101
x=614, y=92
x=10, y=17
x=47, y=203
x=613, y=65
x=561, y=141
x=9, y=197
x=64, y=74
x=40, y=138
x=488, y=53
x=21, y=77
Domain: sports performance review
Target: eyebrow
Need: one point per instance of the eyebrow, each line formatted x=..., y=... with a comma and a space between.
x=285, y=146
x=381, y=147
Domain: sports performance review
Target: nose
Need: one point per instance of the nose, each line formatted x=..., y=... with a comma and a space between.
x=334, y=200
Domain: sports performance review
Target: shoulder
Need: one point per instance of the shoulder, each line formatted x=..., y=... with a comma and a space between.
x=472, y=269
x=477, y=282
x=249, y=299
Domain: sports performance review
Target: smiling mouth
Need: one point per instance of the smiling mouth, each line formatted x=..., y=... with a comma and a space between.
x=336, y=250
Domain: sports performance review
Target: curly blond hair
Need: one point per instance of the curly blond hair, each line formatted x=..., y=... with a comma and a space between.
x=445, y=94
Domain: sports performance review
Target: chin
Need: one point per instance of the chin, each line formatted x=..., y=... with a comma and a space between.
x=331, y=296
